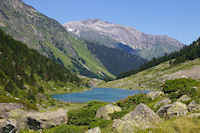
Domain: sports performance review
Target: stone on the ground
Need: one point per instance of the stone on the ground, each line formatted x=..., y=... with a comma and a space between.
x=172, y=110
x=184, y=98
x=5, y=107
x=107, y=109
x=8, y=126
x=154, y=94
x=141, y=117
x=193, y=106
x=163, y=102
x=94, y=130
x=194, y=115
x=37, y=120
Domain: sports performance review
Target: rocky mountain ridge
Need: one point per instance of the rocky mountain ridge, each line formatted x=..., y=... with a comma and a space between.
x=110, y=33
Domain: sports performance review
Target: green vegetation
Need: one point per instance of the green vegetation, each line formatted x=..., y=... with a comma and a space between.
x=153, y=78
x=190, y=52
x=25, y=73
x=178, y=87
x=86, y=116
x=175, y=125
x=50, y=38
x=129, y=104
x=116, y=61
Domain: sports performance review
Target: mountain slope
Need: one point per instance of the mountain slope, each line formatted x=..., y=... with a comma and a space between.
x=109, y=34
x=183, y=64
x=190, y=52
x=24, y=73
x=116, y=61
x=47, y=36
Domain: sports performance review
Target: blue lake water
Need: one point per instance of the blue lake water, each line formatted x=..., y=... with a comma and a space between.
x=99, y=94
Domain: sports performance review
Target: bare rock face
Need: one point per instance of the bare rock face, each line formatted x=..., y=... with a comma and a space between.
x=172, y=110
x=141, y=117
x=193, y=106
x=154, y=94
x=37, y=120
x=94, y=130
x=8, y=126
x=96, y=29
x=107, y=109
x=164, y=101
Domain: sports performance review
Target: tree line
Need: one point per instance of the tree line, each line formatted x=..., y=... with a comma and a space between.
x=190, y=52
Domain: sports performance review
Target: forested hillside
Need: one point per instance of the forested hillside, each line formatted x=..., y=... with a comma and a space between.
x=190, y=52
x=49, y=37
x=116, y=61
x=21, y=69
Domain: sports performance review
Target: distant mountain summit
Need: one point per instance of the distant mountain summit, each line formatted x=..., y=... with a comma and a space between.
x=111, y=35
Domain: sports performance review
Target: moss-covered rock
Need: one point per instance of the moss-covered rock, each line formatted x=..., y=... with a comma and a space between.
x=107, y=109
x=172, y=110
x=141, y=117
x=37, y=120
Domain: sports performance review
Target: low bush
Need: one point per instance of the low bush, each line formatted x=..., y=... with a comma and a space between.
x=86, y=115
x=178, y=87
x=67, y=129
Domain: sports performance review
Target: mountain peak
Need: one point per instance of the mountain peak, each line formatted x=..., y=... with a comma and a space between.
x=97, y=29
x=92, y=21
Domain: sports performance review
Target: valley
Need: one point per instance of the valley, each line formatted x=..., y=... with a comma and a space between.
x=94, y=76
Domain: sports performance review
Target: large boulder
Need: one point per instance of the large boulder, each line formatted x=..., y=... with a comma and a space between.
x=8, y=126
x=194, y=115
x=154, y=94
x=94, y=130
x=16, y=113
x=193, y=107
x=163, y=102
x=184, y=98
x=37, y=120
x=172, y=110
x=141, y=117
x=5, y=107
x=107, y=109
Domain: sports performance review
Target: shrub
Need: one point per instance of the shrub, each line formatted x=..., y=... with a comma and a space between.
x=85, y=115
x=178, y=87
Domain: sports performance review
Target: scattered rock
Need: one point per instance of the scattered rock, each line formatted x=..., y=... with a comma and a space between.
x=37, y=120
x=193, y=106
x=8, y=126
x=107, y=109
x=154, y=94
x=194, y=115
x=164, y=101
x=94, y=130
x=141, y=117
x=172, y=110
x=184, y=98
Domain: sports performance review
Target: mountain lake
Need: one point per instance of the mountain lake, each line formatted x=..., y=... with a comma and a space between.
x=97, y=94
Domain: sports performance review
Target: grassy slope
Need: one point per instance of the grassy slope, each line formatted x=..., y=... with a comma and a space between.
x=83, y=52
x=91, y=61
x=152, y=78
x=47, y=36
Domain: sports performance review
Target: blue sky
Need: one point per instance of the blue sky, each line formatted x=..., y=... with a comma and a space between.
x=179, y=19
